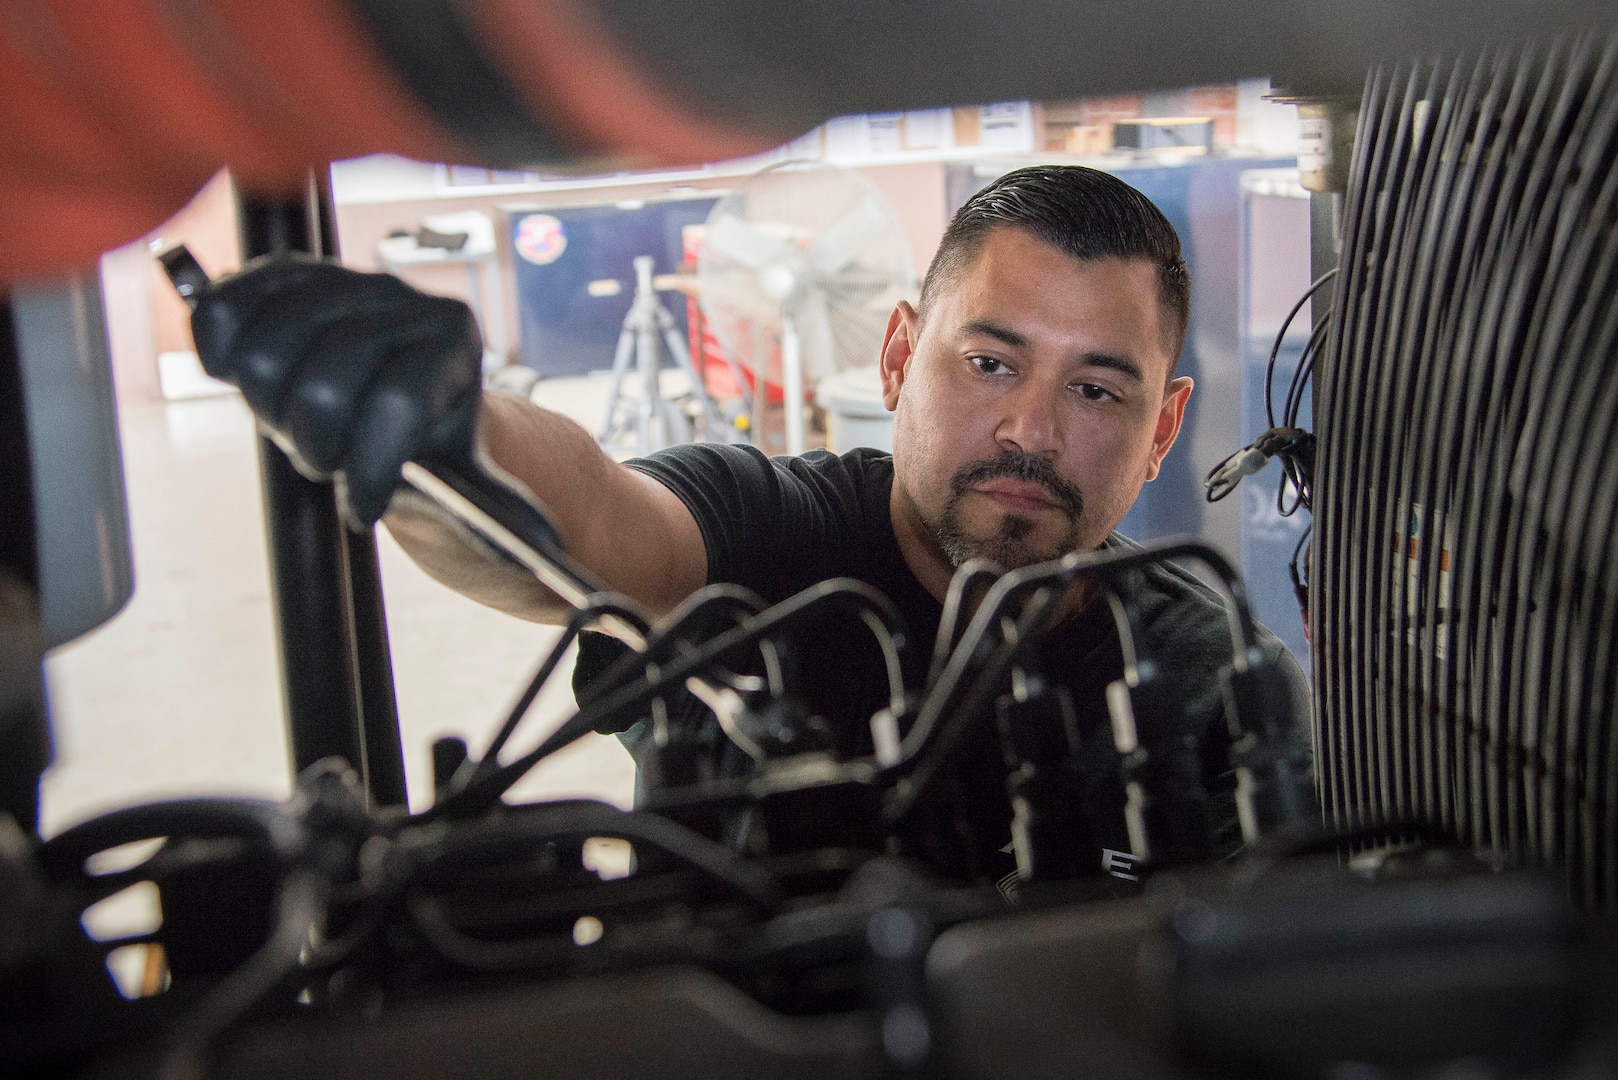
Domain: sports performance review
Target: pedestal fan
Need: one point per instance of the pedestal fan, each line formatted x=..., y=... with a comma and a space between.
x=800, y=267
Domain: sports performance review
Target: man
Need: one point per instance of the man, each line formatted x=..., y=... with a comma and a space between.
x=1034, y=394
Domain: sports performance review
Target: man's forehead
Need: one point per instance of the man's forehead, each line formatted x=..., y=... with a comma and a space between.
x=1014, y=274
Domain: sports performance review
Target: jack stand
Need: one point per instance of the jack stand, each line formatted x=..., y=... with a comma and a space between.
x=651, y=420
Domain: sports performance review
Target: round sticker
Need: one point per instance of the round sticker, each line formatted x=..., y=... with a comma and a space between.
x=540, y=239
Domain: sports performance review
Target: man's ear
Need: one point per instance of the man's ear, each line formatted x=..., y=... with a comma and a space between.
x=1169, y=418
x=898, y=346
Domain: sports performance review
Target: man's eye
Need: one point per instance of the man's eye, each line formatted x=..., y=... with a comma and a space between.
x=988, y=365
x=1092, y=392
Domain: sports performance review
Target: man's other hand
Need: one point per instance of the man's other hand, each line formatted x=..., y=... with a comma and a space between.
x=352, y=374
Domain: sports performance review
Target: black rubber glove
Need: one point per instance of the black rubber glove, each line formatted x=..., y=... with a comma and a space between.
x=352, y=374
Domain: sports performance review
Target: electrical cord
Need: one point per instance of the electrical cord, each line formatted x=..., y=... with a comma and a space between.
x=1293, y=445
x=1223, y=478
x=970, y=573
x=922, y=769
x=431, y=854
x=1298, y=456
x=1124, y=617
x=1275, y=350
x=1304, y=369
x=1300, y=584
x=597, y=606
x=618, y=696
x=939, y=721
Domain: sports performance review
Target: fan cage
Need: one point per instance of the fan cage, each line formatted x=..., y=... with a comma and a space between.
x=1465, y=582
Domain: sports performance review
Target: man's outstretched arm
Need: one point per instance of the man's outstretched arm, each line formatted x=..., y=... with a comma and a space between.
x=624, y=526
x=355, y=374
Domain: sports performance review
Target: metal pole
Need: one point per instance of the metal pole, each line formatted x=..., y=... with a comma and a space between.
x=373, y=664
x=652, y=424
x=373, y=657
x=25, y=736
x=337, y=675
x=792, y=385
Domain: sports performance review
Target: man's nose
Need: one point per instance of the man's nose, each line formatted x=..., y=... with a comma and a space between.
x=1031, y=422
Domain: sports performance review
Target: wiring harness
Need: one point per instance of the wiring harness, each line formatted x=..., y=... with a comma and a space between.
x=1284, y=439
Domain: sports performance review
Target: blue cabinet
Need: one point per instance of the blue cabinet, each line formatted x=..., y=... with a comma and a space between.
x=566, y=327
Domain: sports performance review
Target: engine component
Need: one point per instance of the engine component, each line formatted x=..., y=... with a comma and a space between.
x=1465, y=603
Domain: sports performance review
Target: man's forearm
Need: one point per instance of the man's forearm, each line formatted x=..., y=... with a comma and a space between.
x=537, y=448
x=620, y=525
x=556, y=460
x=455, y=556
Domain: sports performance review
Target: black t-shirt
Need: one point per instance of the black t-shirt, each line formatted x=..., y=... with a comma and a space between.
x=778, y=526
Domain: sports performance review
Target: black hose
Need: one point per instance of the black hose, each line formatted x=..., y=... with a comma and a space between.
x=420, y=856
x=953, y=703
x=614, y=701
x=592, y=610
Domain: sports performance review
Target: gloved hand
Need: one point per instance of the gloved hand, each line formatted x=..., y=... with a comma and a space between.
x=352, y=374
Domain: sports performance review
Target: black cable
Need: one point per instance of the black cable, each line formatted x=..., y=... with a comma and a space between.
x=1301, y=373
x=1294, y=446
x=1411, y=146
x=441, y=856
x=970, y=573
x=1275, y=350
x=1470, y=228
x=597, y=606
x=279, y=831
x=1463, y=681
x=614, y=700
x=1487, y=350
x=920, y=770
x=1338, y=400
x=942, y=699
x=1300, y=586
x=1125, y=618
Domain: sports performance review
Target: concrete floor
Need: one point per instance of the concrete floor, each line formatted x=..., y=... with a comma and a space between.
x=180, y=694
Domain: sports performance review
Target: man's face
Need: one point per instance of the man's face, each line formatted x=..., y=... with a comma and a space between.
x=1031, y=406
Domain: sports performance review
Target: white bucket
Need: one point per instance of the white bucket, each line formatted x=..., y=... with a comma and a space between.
x=854, y=412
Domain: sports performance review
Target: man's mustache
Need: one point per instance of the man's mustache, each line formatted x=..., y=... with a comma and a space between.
x=1030, y=468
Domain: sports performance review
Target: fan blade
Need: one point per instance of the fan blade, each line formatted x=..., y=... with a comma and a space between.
x=731, y=238
x=846, y=237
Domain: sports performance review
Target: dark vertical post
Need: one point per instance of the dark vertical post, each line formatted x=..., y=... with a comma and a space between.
x=337, y=676
x=373, y=659
x=25, y=738
x=308, y=582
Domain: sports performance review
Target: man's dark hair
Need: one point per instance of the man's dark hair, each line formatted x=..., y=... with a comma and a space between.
x=1085, y=213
